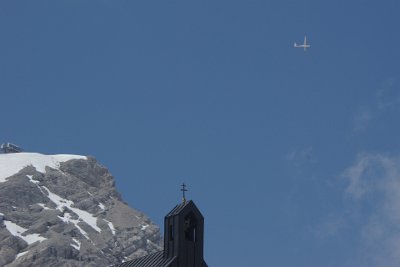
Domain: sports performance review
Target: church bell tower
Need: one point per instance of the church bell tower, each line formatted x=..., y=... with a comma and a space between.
x=183, y=239
x=184, y=235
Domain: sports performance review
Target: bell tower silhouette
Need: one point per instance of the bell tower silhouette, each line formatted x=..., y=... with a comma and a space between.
x=183, y=239
x=184, y=235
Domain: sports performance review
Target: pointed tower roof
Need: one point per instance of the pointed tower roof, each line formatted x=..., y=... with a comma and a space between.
x=183, y=239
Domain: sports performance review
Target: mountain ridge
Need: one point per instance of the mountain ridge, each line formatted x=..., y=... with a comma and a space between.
x=64, y=210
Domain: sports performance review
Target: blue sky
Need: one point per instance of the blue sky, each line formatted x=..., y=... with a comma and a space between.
x=293, y=157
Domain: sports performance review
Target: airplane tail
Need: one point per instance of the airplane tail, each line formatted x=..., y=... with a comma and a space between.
x=295, y=44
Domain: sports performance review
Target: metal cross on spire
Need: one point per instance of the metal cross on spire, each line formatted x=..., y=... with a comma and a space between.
x=183, y=192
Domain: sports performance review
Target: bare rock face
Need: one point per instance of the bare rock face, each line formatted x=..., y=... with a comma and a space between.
x=64, y=210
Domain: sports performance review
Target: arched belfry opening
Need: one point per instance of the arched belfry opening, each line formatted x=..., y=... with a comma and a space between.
x=183, y=239
x=190, y=225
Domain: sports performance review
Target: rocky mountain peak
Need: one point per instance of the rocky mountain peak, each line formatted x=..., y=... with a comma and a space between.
x=64, y=210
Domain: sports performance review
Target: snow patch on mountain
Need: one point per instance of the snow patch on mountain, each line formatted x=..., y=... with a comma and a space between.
x=44, y=206
x=21, y=254
x=12, y=163
x=68, y=219
x=111, y=225
x=63, y=203
x=17, y=230
x=77, y=244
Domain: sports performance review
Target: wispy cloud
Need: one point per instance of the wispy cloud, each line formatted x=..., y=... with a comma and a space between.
x=362, y=119
x=374, y=185
x=387, y=97
x=330, y=226
x=300, y=156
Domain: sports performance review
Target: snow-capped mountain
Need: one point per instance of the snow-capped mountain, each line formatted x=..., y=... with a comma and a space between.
x=64, y=210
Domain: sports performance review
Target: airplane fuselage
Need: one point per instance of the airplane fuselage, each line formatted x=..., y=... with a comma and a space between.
x=304, y=45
